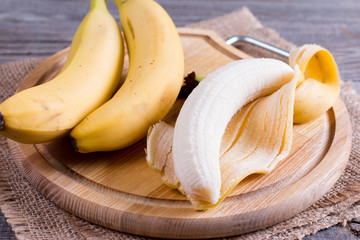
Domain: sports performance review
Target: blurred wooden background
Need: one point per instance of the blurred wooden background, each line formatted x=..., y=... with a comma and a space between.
x=39, y=28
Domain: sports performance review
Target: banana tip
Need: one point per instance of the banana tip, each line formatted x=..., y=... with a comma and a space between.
x=73, y=144
x=2, y=122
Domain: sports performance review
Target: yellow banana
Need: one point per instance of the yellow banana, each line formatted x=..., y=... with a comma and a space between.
x=88, y=79
x=156, y=69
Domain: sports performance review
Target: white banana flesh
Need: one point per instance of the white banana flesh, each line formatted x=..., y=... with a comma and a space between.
x=205, y=114
x=88, y=79
x=156, y=71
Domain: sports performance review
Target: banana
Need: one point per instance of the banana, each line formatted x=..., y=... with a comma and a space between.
x=205, y=114
x=156, y=69
x=87, y=80
x=256, y=139
x=320, y=88
x=193, y=156
x=205, y=163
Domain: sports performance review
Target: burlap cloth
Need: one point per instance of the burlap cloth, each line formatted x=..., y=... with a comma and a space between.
x=32, y=216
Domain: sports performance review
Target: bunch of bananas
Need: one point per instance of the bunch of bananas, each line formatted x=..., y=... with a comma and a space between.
x=84, y=99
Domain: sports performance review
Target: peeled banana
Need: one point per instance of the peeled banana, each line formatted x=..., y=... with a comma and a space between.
x=204, y=117
x=255, y=140
x=156, y=69
x=203, y=159
x=205, y=114
x=88, y=79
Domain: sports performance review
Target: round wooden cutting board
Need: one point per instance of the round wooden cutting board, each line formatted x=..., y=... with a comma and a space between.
x=118, y=190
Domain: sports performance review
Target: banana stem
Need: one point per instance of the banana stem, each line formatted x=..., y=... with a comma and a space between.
x=98, y=4
x=199, y=78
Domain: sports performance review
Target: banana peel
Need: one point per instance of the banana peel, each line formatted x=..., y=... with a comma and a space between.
x=259, y=135
x=320, y=88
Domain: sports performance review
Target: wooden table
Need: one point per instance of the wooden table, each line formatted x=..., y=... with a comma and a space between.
x=39, y=28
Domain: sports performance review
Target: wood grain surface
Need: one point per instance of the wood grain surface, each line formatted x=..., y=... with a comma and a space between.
x=39, y=28
x=99, y=187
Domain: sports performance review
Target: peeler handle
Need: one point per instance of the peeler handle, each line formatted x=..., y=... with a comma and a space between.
x=241, y=38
